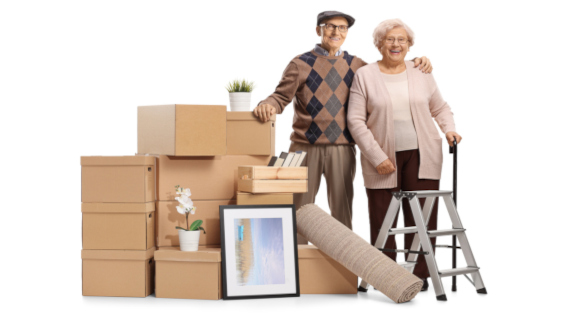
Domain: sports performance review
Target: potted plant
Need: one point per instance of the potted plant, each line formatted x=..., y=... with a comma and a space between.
x=190, y=236
x=240, y=94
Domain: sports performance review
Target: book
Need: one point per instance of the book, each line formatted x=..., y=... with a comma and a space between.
x=295, y=159
x=278, y=162
x=288, y=160
x=301, y=158
x=272, y=161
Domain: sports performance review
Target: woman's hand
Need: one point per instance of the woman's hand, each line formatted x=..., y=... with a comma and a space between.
x=264, y=112
x=450, y=135
x=386, y=167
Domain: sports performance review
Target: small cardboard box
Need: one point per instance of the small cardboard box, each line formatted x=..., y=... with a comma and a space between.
x=264, y=199
x=273, y=185
x=247, y=135
x=270, y=172
x=118, y=226
x=168, y=219
x=320, y=274
x=188, y=275
x=118, y=272
x=183, y=130
x=118, y=179
x=209, y=178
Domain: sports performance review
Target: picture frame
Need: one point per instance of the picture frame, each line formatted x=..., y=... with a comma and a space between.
x=259, y=251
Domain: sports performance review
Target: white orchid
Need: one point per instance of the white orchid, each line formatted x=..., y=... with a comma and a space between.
x=185, y=207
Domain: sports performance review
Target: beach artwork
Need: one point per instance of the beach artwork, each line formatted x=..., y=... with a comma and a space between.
x=259, y=251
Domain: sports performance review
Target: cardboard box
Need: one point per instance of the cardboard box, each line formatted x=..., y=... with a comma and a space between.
x=118, y=179
x=247, y=135
x=189, y=275
x=320, y=274
x=169, y=219
x=209, y=178
x=118, y=226
x=272, y=185
x=270, y=172
x=184, y=130
x=264, y=199
x=118, y=272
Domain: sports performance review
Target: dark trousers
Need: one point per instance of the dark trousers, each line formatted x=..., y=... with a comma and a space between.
x=408, y=165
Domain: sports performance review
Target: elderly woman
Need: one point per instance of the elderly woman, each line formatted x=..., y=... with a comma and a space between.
x=390, y=117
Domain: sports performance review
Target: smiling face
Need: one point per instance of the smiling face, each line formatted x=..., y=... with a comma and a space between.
x=332, y=39
x=396, y=51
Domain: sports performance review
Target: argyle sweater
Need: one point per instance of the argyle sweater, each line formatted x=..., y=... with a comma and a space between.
x=319, y=87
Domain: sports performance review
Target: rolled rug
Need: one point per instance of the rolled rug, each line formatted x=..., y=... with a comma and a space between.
x=353, y=252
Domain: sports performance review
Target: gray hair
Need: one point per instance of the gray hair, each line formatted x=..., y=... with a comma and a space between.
x=385, y=26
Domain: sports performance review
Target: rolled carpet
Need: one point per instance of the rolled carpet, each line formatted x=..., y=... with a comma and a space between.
x=353, y=252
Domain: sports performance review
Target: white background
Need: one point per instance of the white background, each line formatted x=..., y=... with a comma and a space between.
x=73, y=72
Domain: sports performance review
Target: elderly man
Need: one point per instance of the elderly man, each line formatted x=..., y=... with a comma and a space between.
x=318, y=82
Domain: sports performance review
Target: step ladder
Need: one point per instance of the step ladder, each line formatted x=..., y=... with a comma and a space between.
x=421, y=244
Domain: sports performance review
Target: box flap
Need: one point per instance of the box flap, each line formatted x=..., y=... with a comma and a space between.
x=202, y=255
x=118, y=207
x=117, y=160
x=117, y=254
x=306, y=251
x=244, y=115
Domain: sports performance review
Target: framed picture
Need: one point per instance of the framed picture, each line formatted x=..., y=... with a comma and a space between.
x=259, y=251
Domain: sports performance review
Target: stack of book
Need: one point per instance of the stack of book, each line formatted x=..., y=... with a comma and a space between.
x=292, y=159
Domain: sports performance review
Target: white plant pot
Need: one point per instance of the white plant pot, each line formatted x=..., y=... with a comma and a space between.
x=189, y=240
x=240, y=101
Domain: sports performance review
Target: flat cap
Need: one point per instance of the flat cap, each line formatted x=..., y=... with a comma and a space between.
x=329, y=14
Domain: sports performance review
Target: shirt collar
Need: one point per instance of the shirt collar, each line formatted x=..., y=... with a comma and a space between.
x=323, y=52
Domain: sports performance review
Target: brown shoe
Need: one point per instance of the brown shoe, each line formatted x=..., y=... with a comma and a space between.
x=426, y=285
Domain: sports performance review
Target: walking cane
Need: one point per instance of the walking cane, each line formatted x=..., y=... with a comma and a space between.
x=453, y=150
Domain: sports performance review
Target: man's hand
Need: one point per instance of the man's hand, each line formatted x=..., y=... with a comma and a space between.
x=424, y=63
x=386, y=167
x=450, y=135
x=264, y=112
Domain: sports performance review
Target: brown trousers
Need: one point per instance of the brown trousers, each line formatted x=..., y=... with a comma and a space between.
x=338, y=164
x=408, y=165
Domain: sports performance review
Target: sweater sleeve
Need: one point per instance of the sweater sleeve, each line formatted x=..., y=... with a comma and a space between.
x=286, y=89
x=356, y=118
x=441, y=111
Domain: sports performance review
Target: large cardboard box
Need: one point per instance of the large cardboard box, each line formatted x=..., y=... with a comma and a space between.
x=264, y=199
x=118, y=226
x=320, y=274
x=209, y=178
x=184, y=130
x=118, y=272
x=247, y=135
x=188, y=275
x=169, y=219
x=118, y=179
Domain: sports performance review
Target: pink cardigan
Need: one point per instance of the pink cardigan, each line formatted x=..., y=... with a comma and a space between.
x=371, y=123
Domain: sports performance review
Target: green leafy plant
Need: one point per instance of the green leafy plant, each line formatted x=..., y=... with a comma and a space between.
x=186, y=207
x=242, y=86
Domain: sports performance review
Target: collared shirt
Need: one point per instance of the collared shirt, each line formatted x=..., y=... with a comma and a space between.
x=323, y=52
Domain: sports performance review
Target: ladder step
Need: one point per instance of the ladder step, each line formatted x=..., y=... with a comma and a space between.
x=422, y=194
x=453, y=231
x=403, y=230
x=458, y=271
x=407, y=265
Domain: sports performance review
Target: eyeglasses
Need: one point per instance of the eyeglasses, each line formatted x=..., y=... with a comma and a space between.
x=401, y=41
x=331, y=27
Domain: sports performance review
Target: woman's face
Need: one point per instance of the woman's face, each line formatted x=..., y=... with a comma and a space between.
x=395, y=45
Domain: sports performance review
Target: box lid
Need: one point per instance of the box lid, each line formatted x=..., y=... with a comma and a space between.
x=244, y=115
x=117, y=254
x=117, y=160
x=202, y=255
x=306, y=251
x=118, y=207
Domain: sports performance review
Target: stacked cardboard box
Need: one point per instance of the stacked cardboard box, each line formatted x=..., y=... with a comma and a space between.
x=118, y=204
